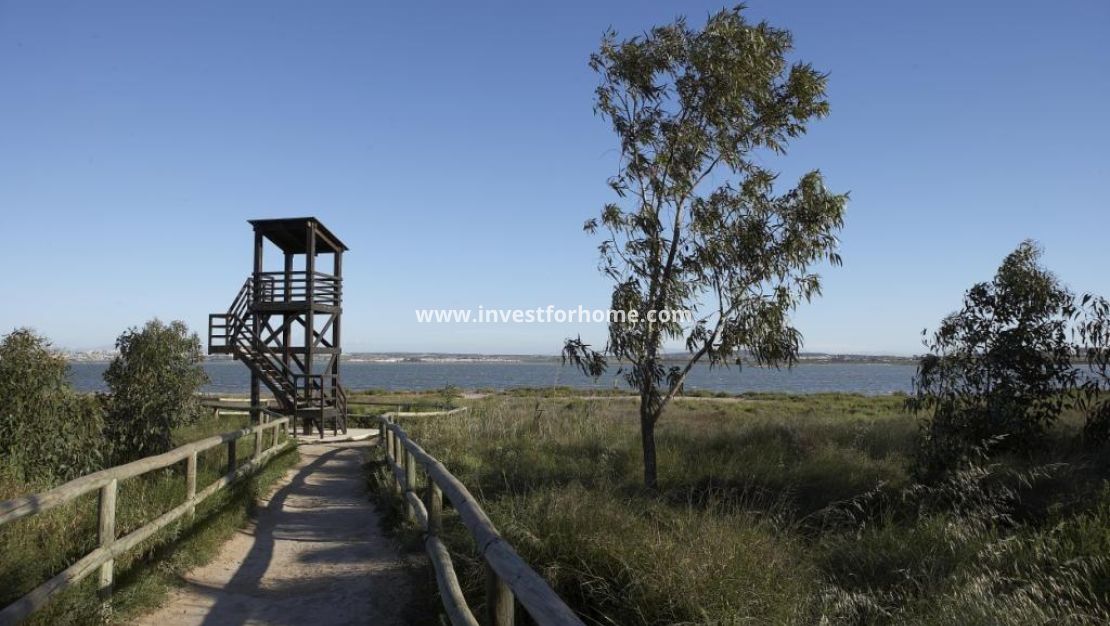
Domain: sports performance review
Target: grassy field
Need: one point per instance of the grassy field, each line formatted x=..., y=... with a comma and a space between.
x=37, y=547
x=778, y=509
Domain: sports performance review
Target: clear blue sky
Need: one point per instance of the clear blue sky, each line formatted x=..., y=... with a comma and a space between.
x=454, y=149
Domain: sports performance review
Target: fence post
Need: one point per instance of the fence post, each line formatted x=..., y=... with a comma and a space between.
x=106, y=533
x=398, y=460
x=410, y=483
x=433, y=502
x=258, y=443
x=231, y=456
x=191, y=481
x=499, y=599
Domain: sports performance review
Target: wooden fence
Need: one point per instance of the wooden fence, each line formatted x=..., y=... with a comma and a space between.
x=107, y=482
x=507, y=575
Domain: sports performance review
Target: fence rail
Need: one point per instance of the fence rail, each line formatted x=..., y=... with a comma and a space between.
x=107, y=482
x=507, y=575
x=277, y=287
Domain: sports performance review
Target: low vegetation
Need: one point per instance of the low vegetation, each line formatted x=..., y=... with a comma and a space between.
x=781, y=509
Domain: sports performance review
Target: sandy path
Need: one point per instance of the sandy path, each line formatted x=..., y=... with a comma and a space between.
x=313, y=555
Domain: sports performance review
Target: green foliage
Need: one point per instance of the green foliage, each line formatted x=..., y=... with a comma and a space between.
x=449, y=393
x=1094, y=344
x=1000, y=367
x=154, y=383
x=699, y=226
x=48, y=432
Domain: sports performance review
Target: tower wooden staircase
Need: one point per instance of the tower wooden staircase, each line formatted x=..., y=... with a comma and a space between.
x=280, y=323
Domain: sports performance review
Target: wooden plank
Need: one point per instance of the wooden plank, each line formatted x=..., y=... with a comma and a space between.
x=454, y=604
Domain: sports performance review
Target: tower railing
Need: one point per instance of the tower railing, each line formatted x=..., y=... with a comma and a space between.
x=280, y=288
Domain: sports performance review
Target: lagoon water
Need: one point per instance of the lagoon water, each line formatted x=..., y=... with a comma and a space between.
x=865, y=378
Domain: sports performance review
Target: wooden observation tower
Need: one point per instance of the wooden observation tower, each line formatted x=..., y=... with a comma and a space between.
x=285, y=324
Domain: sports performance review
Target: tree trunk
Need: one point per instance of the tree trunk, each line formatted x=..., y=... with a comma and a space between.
x=647, y=440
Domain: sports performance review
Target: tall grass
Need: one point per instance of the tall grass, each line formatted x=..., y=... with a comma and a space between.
x=778, y=509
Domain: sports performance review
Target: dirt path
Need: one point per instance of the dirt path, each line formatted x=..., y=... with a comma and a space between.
x=313, y=555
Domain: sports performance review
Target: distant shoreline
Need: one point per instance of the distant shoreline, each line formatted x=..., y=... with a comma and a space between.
x=492, y=359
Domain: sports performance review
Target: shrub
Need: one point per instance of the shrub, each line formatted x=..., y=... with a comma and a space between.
x=1093, y=333
x=47, y=431
x=1000, y=366
x=154, y=383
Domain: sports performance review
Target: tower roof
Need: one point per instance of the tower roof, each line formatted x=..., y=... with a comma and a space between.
x=290, y=234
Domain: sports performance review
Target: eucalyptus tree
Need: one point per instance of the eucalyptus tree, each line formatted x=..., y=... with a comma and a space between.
x=48, y=431
x=154, y=382
x=700, y=223
x=999, y=370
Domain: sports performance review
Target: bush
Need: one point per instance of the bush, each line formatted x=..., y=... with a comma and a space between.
x=1000, y=367
x=1093, y=333
x=154, y=383
x=48, y=432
